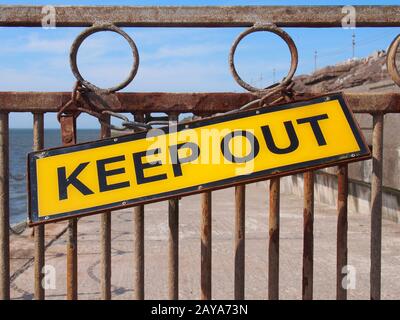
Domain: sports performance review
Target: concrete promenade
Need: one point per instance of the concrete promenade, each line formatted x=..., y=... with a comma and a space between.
x=156, y=235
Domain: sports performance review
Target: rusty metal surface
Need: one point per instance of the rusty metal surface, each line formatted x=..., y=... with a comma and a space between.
x=72, y=260
x=308, y=236
x=4, y=209
x=105, y=275
x=68, y=136
x=138, y=253
x=105, y=234
x=206, y=244
x=173, y=249
x=376, y=207
x=240, y=200
x=273, y=248
x=130, y=102
x=204, y=16
x=198, y=103
x=138, y=244
x=39, y=231
x=342, y=226
x=373, y=103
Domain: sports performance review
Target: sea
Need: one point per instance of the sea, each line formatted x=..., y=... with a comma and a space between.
x=21, y=143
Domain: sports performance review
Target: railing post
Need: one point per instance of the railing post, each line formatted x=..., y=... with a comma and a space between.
x=138, y=252
x=206, y=251
x=240, y=200
x=173, y=249
x=138, y=243
x=308, y=236
x=173, y=239
x=39, y=231
x=68, y=134
x=105, y=228
x=376, y=206
x=341, y=246
x=273, y=248
x=4, y=210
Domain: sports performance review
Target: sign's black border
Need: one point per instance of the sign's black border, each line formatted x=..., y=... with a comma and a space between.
x=363, y=153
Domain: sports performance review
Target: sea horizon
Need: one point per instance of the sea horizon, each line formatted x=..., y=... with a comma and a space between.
x=21, y=143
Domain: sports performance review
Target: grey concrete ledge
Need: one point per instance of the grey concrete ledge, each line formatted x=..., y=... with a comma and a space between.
x=359, y=194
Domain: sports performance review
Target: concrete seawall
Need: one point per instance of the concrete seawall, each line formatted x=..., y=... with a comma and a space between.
x=359, y=194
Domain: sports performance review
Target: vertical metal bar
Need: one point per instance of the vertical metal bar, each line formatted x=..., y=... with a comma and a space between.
x=68, y=134
x=308, y=236
x=72, y=260
x=240, y=200
x=38, y=144
x=138, y=252
x=105, y=231
x=341, y=246
x=376, y=206
x=4, y=210
x=273, y=249
x=173, y=248
x=138, y=244
x=173, y=240
x=206, y=246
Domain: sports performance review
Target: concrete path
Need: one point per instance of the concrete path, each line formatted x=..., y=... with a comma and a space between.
x=156, y=235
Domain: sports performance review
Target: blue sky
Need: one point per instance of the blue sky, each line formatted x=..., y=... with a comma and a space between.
x=171, y=59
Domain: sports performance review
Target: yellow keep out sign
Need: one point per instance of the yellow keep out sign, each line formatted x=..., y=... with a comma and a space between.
x=190, y=158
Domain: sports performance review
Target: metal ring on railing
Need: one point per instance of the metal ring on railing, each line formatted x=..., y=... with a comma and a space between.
x=86, y=33
x=391, y=60
x=279, y=32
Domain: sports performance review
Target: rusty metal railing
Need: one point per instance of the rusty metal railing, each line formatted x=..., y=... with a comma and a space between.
x=200, y=104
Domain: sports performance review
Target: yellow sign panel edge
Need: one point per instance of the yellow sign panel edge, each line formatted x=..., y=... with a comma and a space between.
x=363, y=153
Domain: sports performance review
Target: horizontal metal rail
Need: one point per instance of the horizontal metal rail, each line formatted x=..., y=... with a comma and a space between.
x=198, y=103
x=204, y=16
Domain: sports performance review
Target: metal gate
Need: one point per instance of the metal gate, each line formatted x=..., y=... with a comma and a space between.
x=142, y=104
